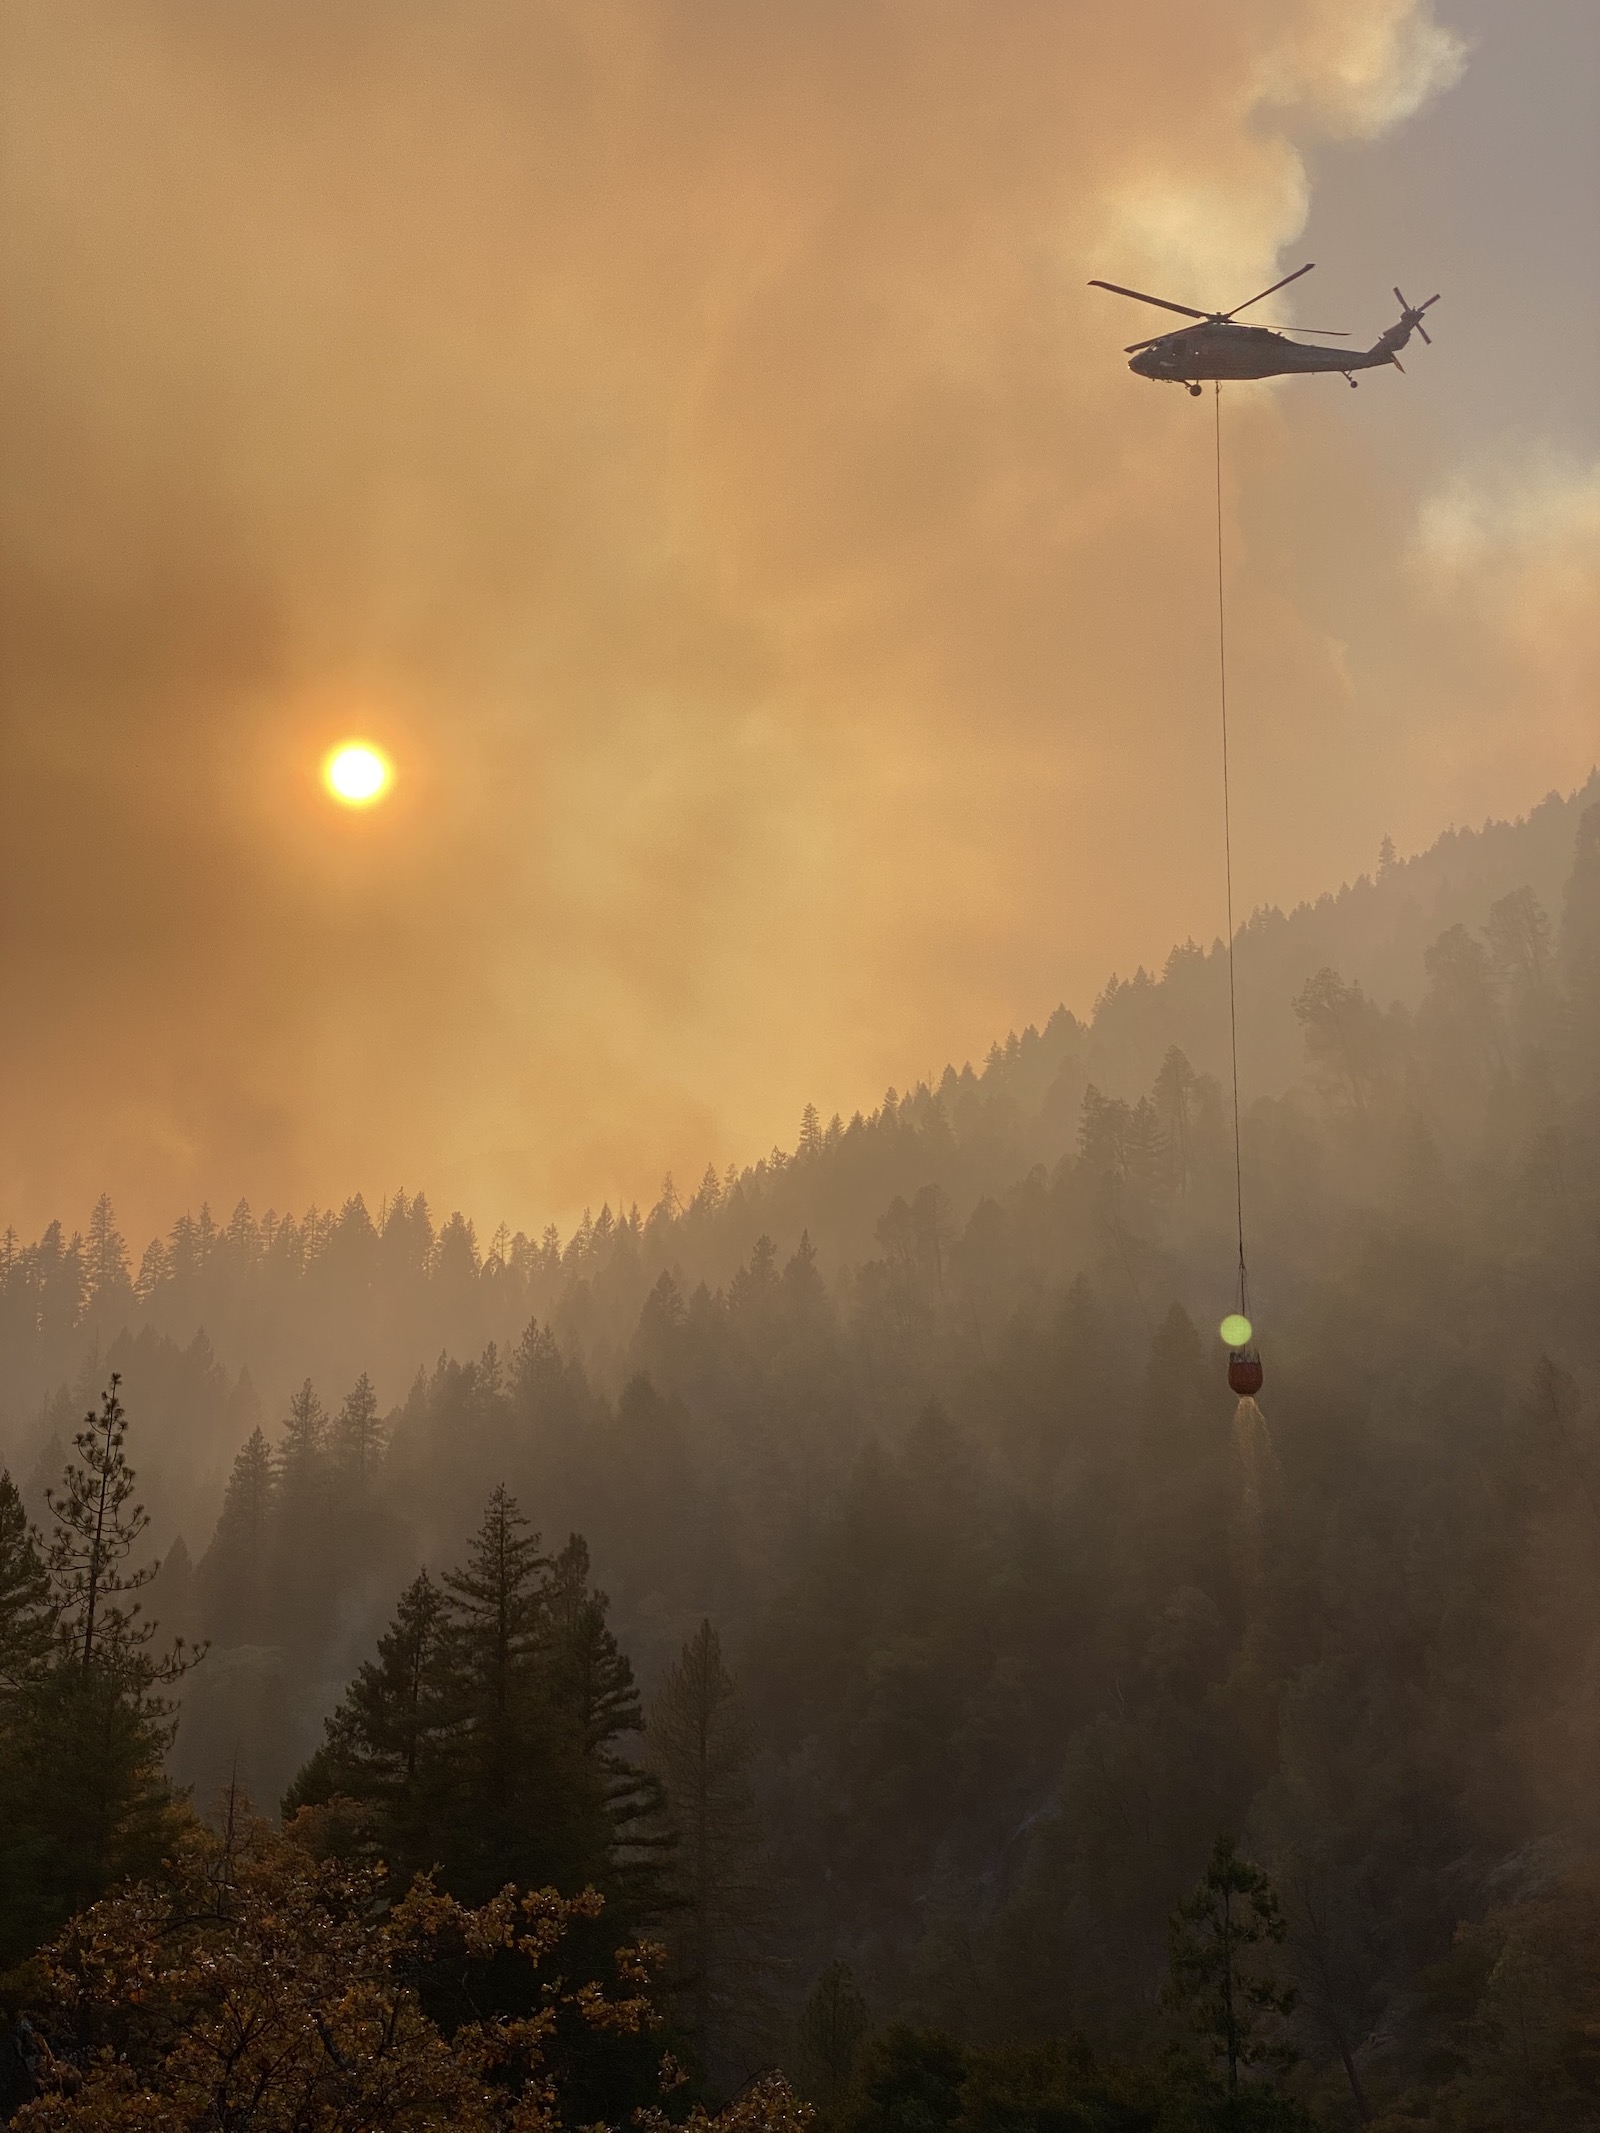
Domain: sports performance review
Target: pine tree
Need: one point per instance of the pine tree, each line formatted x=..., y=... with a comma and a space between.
x=590, y=1673
x=493, y=1660
x=302, y=1448
x=538, y=1373
x=96, y=1530
x=1147, y=1154
x=26, y=1618
x=302, y=1576
x=386, y=1742
x=1221, y=1979
x=233, y=1573
x=106, y=1261
x=1519, y=939
x=83, y=1796
x=1348, y=1041
x=1103, y=1130
x=1174, y=1097
x=592, y=1683
x=702, y=1751
x=517, y=1808
x=357, y=1436
x=483, y=1737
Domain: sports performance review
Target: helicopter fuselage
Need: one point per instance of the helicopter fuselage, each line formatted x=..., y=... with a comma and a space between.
x=1219, y=349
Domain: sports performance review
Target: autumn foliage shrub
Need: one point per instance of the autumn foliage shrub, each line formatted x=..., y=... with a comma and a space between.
x=260, y=1988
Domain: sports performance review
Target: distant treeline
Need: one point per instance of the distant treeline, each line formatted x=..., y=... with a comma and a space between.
x=334, y=1293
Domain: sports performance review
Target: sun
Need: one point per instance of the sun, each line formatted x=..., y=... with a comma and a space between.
x=357, y=773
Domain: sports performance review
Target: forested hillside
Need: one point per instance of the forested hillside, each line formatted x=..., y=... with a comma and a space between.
x=936, y=1609
x=266, y=1299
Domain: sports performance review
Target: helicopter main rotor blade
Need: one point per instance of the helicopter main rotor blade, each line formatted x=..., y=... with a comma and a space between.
x=1336, y=333
x=1139, y=296
x=1249, y=300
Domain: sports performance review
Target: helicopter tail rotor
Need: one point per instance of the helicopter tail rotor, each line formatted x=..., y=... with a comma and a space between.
x=1411, y=314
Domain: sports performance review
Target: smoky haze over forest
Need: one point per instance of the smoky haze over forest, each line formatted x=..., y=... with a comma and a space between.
x=912, y=1520
x=622, y=1502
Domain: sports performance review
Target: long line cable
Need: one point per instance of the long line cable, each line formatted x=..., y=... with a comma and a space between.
x=1227, y=854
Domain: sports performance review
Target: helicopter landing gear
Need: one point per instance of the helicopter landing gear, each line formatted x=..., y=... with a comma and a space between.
x=1195, y=390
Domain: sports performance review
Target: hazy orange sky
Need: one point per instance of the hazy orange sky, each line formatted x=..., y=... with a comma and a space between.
x=681, y=434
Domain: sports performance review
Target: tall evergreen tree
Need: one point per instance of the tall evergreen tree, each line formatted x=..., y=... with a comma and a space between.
x=106, y=1261
x=701, y=1749
x=357, y=1437
x=97, y=1528
x=26, y=1618
x=1174, y=1098
x=234, y=1572
x=591, y=1679
x=1222, y=1979
x=386, y=1743
x=83, y=1796
x=302, y=1566
x=302, y=1448
x=517, y=1764
x=483, y=1737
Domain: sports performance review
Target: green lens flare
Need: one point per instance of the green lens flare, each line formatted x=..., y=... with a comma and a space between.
x=1236, y=1330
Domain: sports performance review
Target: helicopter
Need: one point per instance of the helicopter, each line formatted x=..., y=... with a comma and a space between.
x=1217, y=348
